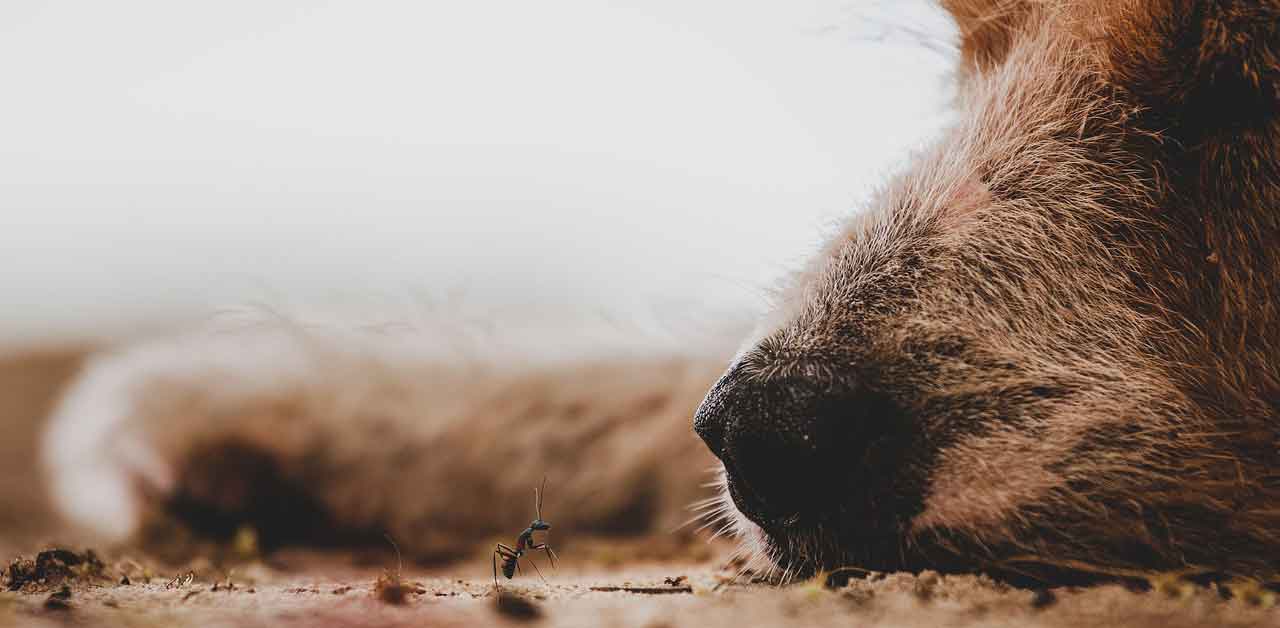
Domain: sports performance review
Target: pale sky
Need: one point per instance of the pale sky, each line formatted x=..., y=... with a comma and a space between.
x=161, y=161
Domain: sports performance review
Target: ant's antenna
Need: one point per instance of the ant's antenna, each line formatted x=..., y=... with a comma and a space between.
x=537, y=497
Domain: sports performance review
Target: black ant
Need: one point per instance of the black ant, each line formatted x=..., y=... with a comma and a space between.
x=511, y=556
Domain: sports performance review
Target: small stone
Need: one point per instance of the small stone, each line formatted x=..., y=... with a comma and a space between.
x=1043, y=598
x=59, y=600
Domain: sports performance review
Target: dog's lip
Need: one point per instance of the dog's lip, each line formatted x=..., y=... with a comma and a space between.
x=747, y=502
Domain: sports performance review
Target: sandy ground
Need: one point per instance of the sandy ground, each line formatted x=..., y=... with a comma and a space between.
x=318, y=590
x=602, y=582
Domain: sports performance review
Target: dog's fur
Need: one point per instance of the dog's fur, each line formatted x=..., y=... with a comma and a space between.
x=339, y=436
x=1072, y=295
x=1072, y=298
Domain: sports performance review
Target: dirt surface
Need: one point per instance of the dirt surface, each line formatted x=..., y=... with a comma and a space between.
x=322, y=590
x=606, y=582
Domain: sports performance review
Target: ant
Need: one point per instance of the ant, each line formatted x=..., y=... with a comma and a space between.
x=511, y=556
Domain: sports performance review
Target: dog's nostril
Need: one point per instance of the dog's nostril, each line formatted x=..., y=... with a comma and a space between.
x=778, y=476
x=801, y=445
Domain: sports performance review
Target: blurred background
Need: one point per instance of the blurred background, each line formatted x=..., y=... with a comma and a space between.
x=546, y=167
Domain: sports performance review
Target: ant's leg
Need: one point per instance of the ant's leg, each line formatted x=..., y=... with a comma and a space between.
x=506, y=552
x=551, y=555
x=539, y=571
x=495, y=567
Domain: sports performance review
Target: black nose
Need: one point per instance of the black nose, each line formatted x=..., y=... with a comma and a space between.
x=796, y=446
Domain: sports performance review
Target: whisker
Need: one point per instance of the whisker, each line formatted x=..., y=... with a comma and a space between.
x=705, y=503
x=712, y=516
x=720, y=532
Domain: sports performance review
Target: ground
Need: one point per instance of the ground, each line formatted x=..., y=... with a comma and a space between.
x=309, y=589
x=49, y=580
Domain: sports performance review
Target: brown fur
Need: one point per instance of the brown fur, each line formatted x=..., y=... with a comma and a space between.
x=1083, y=274
x=323, y=440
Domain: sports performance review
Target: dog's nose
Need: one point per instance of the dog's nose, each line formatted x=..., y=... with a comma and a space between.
x=790, y=446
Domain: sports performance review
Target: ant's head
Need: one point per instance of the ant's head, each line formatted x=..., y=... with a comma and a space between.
x=539, y=524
